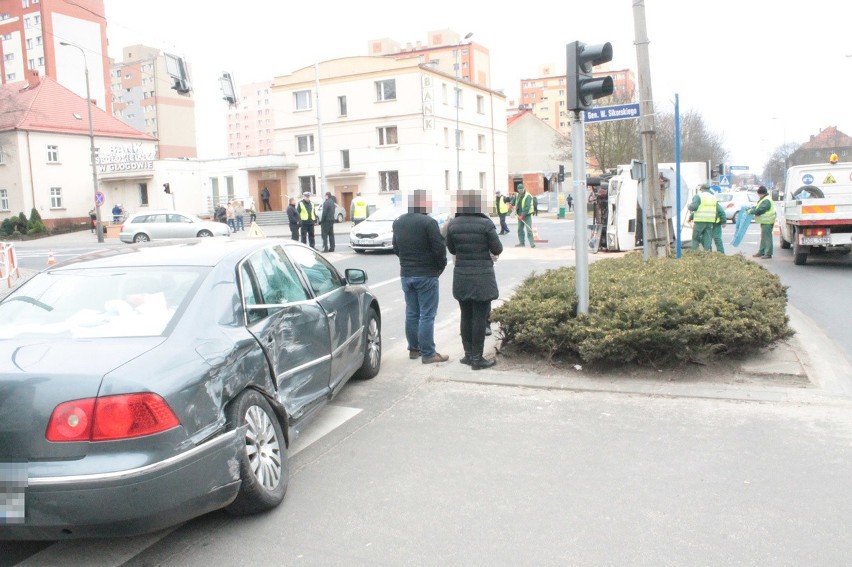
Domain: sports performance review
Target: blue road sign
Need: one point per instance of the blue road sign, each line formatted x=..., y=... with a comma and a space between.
x=743, y=167
x=618, y=112
x=100, y=198
x=715, y=189
x=724, y=181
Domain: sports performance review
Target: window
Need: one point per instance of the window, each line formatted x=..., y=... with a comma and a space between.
x=480, y=142
x=53, y=154
x=444, y=96
x=446, y=179
x=389, y=181
x=25, y=3
x=386, y=90
x=459, y=139
x=143, y=194
x=387, y=136
x=4, y=200
x=305, y=144
x=56, y=197
x=308, y=184
x=269, y=278
x=322, y=276
x=341, y=106
x=29, y=43
x=344, y=159
x=459, y=180
x=10, y=76
x=10, y=57
x=302, y=100
x=459, y=98
x=482, y=180
x=7, y=36
x=480, y=104
x=446, y=137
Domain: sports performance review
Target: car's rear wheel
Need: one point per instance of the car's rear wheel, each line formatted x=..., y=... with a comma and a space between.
x=264, y=467
x=783, y=243
x=372, y=348
x=141, y=237
x=204, y=233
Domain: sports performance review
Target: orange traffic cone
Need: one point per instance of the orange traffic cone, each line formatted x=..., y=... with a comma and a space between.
x=776, y=230
x=51, y=259
x=536, y=237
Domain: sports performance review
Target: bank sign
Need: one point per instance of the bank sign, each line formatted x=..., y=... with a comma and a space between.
x=125, y=158
x=619, y=112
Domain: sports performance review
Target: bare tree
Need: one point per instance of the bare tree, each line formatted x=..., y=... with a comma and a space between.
x=697, y=142
x=776, y=167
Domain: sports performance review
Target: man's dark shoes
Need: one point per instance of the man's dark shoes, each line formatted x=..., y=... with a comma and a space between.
x=519, y=246
x=766, y=257
x=480, y=362
x=413, y=354
x=437, y=357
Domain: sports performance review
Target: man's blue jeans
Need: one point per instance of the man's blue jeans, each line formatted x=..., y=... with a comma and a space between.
x=421, y=305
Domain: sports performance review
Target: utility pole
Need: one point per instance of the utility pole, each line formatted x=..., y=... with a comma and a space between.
x=656, y=225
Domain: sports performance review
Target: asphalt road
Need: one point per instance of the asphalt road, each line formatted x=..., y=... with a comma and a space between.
x=414, y=468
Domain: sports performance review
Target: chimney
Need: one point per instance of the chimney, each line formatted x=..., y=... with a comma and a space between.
x=33, y=79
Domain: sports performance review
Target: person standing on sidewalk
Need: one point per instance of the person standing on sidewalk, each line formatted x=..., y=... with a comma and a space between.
x=764, y=215
x=703, y=206
x=422, y=253
x=239, y=215
x=293, y=219
x=307, y=220
x=327, y=223
x=472, y=239
x=230, y=216
x=502, y=210
x=524, y=210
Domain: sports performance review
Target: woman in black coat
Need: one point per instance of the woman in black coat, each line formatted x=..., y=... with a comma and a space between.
x=472, y=239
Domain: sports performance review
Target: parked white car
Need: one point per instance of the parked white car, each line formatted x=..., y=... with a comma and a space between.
x=733, y=202
x=157, y=225
x=376, y=231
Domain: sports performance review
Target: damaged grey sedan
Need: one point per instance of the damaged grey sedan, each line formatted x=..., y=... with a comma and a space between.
x=145, y=386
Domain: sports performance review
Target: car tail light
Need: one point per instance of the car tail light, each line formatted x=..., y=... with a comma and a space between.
x=816, y=232
x=110, y=418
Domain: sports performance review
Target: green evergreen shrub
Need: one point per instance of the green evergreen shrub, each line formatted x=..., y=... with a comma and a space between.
x=663, y=310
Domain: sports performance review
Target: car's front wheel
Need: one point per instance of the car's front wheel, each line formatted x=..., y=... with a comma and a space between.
x=264, y=468
x=204, y=233
x=141, y=237
x=372, y=348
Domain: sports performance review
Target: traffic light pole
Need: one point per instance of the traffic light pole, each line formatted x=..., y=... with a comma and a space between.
x=581, y=245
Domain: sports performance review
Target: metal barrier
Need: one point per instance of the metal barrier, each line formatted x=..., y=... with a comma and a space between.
x=8, y=263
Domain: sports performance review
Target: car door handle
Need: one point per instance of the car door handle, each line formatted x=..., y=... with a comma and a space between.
x=332, y=315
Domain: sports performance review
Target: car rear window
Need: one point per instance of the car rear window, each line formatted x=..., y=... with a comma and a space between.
x=98, y=303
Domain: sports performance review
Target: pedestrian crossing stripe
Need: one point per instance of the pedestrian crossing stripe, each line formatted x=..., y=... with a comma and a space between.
x=255, y=231
x=829, y=179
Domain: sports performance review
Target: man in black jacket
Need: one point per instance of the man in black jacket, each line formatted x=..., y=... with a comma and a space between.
x=327, y=223
x=293, y=219
x=422, y=255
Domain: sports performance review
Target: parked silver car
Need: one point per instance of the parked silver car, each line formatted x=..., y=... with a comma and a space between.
x=376, y=231
x=156, y=225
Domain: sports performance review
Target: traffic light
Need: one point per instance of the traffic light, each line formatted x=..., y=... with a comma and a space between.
x=167, y=189
x=721, y=171
x=561, y=176
x=582, y=87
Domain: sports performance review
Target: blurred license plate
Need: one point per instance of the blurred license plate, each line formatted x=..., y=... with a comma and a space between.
x=815, y=240
x=366, y=242
x=12, y=498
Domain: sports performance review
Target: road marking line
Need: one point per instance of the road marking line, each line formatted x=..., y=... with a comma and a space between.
x=386, y=282
x=330, y=418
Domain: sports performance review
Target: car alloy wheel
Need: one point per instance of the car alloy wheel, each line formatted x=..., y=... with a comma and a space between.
x=264, y=467
x=372, y=348
x=204, y=233
x=141, y=237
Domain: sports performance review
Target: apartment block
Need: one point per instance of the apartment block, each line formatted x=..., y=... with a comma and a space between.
x=32, y=34
x=144, y=97
x=251, y=122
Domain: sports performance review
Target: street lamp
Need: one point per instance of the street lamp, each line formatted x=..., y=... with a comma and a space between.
x=458, y=101
x=98, y=225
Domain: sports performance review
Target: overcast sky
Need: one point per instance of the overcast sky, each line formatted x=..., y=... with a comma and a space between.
x=759, y=72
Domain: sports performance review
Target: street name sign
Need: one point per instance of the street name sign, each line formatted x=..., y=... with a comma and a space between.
x=618, y=112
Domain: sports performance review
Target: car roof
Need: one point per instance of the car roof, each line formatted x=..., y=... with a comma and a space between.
x=197, y=252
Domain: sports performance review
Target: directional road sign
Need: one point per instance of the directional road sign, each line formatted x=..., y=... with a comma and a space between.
x=742, y=167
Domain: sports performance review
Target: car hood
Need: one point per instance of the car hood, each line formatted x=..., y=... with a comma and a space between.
x=374, y=228
x=38, y=375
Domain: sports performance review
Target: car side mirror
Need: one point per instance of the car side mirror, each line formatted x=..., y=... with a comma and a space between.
x=355, y=276
x=776, y=195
